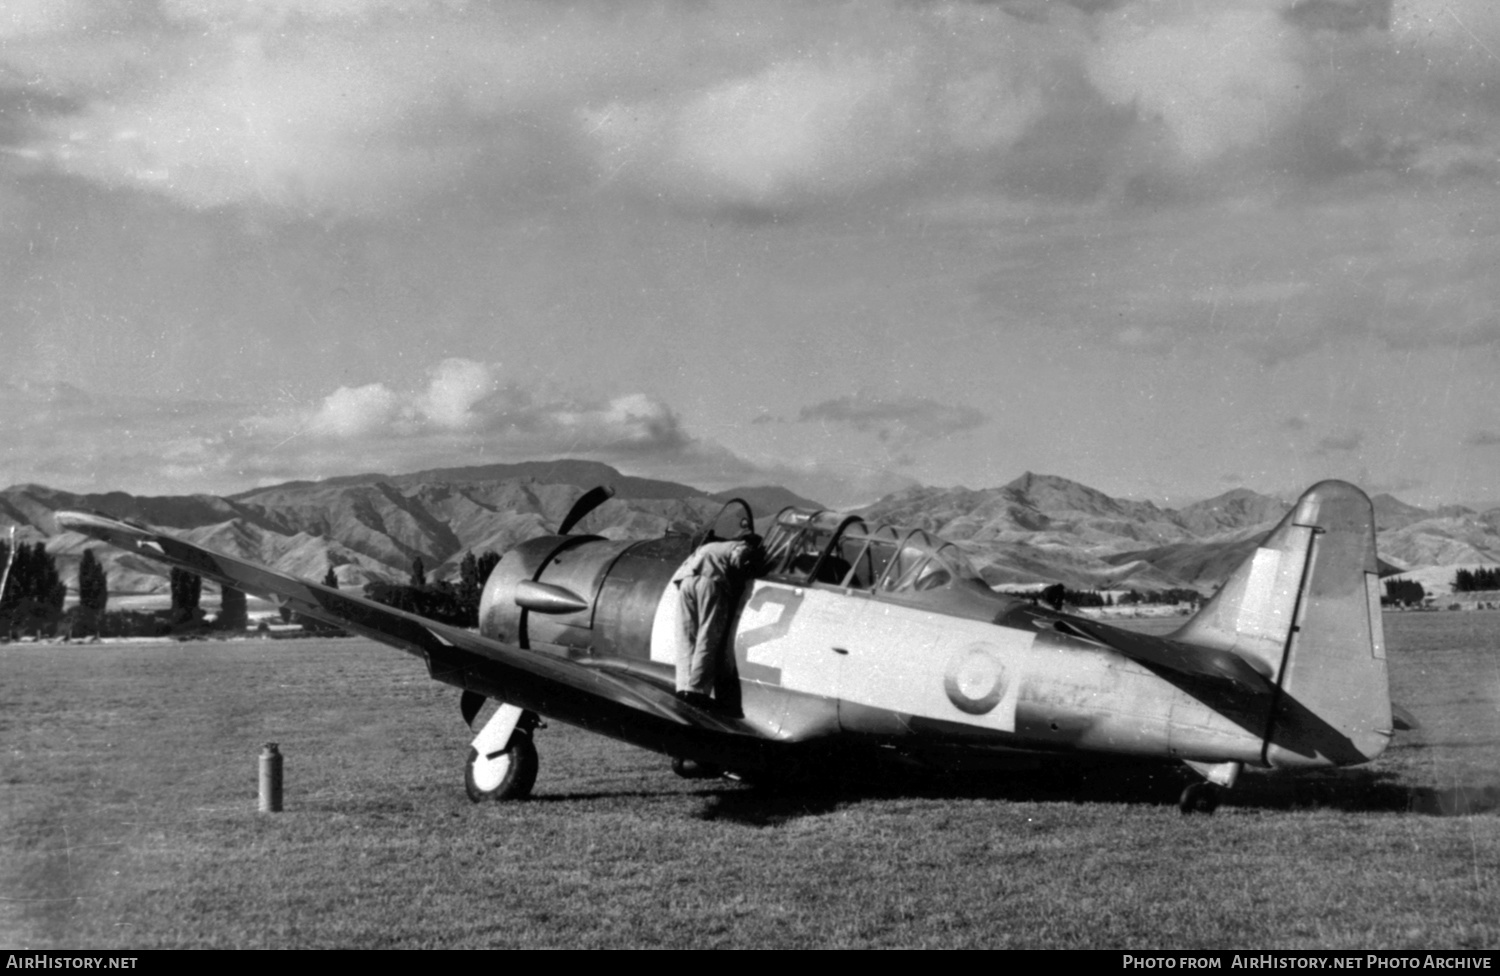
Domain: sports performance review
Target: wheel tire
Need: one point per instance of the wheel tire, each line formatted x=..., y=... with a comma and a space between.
x=509, y=776
x=1199, y=798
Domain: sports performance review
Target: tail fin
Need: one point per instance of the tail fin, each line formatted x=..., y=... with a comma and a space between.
x=1304, y=610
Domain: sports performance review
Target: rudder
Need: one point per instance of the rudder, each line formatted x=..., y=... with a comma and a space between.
x=1304, y=611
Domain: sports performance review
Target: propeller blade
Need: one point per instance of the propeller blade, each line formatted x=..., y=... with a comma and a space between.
x=586, y=503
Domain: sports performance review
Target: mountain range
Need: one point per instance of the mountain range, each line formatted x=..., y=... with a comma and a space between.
x=1036, y=529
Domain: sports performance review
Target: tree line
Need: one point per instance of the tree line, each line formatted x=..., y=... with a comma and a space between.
x=34, y=595
x=1403, y=592
x=1058, y=596
x=1470, y=580
x=34, y=592
x=445, y=602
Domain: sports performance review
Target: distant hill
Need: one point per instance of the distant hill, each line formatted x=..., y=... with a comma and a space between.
x=1037, y=529
x=767, y=499
x=583, y=474
x=1042, y=527
x=1392, y=513
x=372, y=527
x=1231, y=512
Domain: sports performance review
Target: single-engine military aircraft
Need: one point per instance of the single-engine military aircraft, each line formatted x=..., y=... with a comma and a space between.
x=864, y=637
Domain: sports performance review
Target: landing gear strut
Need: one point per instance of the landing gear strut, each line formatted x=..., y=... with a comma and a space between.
x=1204, y=797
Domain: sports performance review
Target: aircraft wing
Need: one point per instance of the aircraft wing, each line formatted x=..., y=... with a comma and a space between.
x=608, y=702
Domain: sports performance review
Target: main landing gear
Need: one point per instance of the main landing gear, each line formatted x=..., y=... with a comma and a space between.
x=1204, y=796
x=502, y=761
x=1199, y=798
x=507, y=775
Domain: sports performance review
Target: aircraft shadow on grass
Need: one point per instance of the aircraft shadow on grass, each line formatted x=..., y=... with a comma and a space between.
x=1141, y=784
x=1134, y=785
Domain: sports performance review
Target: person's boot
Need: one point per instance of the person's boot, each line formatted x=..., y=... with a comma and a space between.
x=698, y=700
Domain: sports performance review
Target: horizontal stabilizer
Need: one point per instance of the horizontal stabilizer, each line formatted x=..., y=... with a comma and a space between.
x=1163, y=652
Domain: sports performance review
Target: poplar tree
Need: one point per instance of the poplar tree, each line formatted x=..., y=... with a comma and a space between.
x=187, y=588
x=232, y=612
x=93, y=584
x=487, y=564
x=34, y=592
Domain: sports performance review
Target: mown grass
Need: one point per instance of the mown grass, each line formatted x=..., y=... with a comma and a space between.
x=127, y=819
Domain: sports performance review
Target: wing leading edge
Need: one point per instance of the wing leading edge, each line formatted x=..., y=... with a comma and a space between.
x=605, y=702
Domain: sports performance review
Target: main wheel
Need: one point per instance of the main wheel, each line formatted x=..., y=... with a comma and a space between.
x=1199, y=798
x=508, y=776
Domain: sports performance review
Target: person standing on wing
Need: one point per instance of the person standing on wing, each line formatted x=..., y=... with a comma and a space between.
x=708, y=587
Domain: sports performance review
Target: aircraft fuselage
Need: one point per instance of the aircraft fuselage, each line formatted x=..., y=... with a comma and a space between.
x=818, y=659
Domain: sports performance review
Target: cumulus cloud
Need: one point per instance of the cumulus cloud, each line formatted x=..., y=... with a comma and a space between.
x=61, y=436
x=98, y=442
x=359, y=107
x=304, y=107
x=1482, y=438
x=1218, y=78
x=457, y=387
x=248, y=124
x=448, y=402
x=793, y=129
x=350, y=412
x=465, y=401
x=810, y=128
x=626, y=425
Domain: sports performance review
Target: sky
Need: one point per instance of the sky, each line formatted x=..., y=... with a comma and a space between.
x=1165, y=247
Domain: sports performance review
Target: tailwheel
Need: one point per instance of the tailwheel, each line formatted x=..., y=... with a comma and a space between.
x=506, y=775
x=1199, y=798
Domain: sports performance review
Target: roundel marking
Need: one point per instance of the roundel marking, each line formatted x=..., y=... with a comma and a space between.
x=974, y=680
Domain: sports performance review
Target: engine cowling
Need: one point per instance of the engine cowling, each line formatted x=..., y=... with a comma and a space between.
x=618, y=584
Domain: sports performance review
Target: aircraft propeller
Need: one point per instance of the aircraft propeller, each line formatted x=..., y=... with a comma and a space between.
x=586, y=503
x=541, y=597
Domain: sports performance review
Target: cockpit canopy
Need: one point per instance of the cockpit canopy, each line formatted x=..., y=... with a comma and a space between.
x=826, y=547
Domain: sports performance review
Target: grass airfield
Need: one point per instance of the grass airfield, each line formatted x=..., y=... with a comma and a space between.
x=128, y=819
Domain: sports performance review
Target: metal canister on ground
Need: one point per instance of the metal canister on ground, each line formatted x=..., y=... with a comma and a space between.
x=270, y=779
